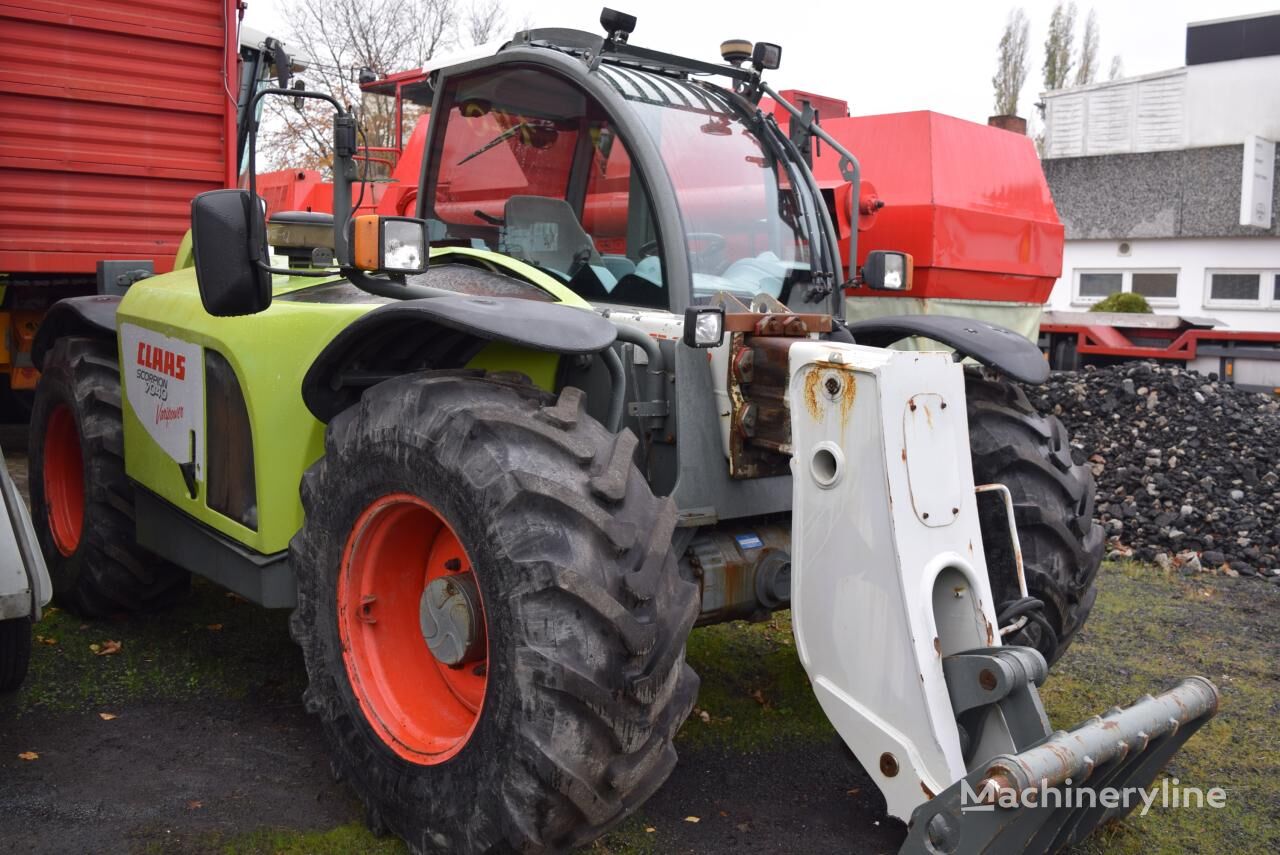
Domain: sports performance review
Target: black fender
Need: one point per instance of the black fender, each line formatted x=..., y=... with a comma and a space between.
x=441, y=332
x=93, y=315
x=990, y=344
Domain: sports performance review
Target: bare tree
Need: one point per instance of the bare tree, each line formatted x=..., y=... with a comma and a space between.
x=485, y=20
x=1117, y=68
x=1087, y=68
x=1060, y=45
x=1011, y=65
x=341, y=39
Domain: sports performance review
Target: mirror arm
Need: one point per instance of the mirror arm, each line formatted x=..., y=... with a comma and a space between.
x=343, y=125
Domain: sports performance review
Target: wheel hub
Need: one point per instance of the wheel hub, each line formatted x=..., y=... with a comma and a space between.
x=450, y=617
x=410, y=617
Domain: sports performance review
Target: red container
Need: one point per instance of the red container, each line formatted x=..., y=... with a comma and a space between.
x=115, y=114
x=968, y=201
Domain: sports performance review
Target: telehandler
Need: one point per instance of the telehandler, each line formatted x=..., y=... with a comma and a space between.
x=501, y=457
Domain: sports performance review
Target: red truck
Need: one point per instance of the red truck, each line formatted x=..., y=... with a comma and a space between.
x=116, y=115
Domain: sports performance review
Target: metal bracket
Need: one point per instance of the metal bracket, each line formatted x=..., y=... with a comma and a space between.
x=648, y=409
x=993, y=693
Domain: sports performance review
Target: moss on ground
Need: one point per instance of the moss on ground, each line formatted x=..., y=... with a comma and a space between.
x=1146, y=632
x=212, y=645
x=345, y=839
x=754, y=693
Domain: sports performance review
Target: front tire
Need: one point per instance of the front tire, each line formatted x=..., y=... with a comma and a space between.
x=81, y=499
x=557, y=721
x=1053, y=499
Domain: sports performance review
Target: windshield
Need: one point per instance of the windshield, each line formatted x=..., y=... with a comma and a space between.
x=530, y=165
x=743, y=225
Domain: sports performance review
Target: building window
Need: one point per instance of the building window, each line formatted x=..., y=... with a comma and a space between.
x=1242, y=289
x=1156, y=286
x=1235, y=286
x=1099, y=285
x=1160, y=287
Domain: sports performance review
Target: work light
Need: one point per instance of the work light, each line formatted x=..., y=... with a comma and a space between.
x=704, y=326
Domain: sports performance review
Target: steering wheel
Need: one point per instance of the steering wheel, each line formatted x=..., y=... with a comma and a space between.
x=710, y=258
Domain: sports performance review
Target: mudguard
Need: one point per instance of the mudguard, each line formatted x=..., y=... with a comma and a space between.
x=992, y=345
x=416, y=325
x=74, y=316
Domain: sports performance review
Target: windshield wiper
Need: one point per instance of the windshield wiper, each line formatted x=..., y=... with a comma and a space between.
x=822, y=272
x=496, y=141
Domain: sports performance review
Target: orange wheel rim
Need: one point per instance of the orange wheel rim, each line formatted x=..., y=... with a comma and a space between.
x=64, y=480
x=422, y=709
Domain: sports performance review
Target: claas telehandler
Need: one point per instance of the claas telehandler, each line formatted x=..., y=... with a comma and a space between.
x=500, y=458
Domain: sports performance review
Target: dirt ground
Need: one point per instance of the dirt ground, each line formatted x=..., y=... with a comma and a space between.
x=192, y=738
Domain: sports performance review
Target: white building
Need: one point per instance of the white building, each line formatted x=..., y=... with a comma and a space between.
x=1148, y=174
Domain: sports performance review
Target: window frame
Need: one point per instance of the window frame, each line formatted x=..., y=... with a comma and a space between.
x=1126, y=284
x=1267, y=283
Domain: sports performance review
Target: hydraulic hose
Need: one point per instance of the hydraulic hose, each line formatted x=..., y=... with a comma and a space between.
x=657, y=365
x=618, y=393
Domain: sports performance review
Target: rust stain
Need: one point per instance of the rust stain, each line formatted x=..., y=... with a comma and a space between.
x=811, y=380
x=848, y=389
x=928, y=414
x=904, y=455
x=937, y=645
x=928, y=793
x=847, y=397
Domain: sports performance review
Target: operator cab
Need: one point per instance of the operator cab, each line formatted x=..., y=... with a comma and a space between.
x=567, y=168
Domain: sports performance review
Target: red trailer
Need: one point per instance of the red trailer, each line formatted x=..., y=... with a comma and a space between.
x=1249, y=359
x=116, y=115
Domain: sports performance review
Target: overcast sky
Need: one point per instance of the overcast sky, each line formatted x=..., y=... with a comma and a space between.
x=883, y=56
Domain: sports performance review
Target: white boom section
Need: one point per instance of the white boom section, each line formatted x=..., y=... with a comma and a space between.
x=888, y=572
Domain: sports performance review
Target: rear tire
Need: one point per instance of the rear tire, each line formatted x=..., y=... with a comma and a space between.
x=15, y=652
x=1053, y=499
x=81, y=499
x=585, y=613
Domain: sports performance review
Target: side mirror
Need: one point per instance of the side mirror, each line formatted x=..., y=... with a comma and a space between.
x=228, y=238
x=395, y=245
x=888, y=270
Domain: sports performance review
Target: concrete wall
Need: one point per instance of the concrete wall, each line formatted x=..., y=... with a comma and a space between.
x=1193, y=259
x=1167, y=194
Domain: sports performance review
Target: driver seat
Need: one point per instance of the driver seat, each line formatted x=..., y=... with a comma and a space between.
x=544, y=231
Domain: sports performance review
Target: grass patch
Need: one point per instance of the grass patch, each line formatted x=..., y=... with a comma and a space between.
x=211, y=646
x=1149, y=630
x=754, y=693
x=344, y=839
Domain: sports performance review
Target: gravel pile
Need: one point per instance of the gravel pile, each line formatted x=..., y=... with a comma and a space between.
x=1187, y=468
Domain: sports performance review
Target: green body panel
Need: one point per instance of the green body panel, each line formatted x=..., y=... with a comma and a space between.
x=185, y=257
x=271, y=353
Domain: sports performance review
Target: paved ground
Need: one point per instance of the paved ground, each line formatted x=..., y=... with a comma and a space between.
x=208, y=748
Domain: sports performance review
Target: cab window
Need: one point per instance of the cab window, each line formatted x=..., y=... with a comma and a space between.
x=530, y=166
